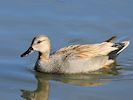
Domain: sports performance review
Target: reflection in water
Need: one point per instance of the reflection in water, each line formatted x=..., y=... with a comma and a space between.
x=43, y=85
x=41, y=93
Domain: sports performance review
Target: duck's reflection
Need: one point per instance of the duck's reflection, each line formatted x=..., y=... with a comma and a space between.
x=43, y=85
x=41, y=93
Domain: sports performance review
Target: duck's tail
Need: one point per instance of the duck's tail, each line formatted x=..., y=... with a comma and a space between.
x=120, y=45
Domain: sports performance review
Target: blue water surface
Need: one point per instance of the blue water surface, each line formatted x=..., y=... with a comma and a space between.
x=66, y=22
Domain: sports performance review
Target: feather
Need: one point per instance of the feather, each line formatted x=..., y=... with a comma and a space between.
x=112, y=39
x=86, y=51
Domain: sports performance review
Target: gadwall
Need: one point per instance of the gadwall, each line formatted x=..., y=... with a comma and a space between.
x=75, y=58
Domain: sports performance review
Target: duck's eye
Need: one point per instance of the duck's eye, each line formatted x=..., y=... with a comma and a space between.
x=39, y=42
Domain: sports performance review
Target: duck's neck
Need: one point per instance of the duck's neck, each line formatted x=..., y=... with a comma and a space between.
x=43, y=58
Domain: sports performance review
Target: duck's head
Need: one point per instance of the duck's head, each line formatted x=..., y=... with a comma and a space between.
x=40, y=43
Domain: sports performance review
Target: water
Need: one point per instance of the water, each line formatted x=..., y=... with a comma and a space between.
x=65, y=22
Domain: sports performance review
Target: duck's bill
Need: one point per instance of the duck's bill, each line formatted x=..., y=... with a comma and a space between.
x=29, y=51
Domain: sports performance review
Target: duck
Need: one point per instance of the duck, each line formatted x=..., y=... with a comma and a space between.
x=74, y=59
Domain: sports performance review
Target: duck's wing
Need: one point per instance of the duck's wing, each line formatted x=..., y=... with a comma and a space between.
x=86, y=51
